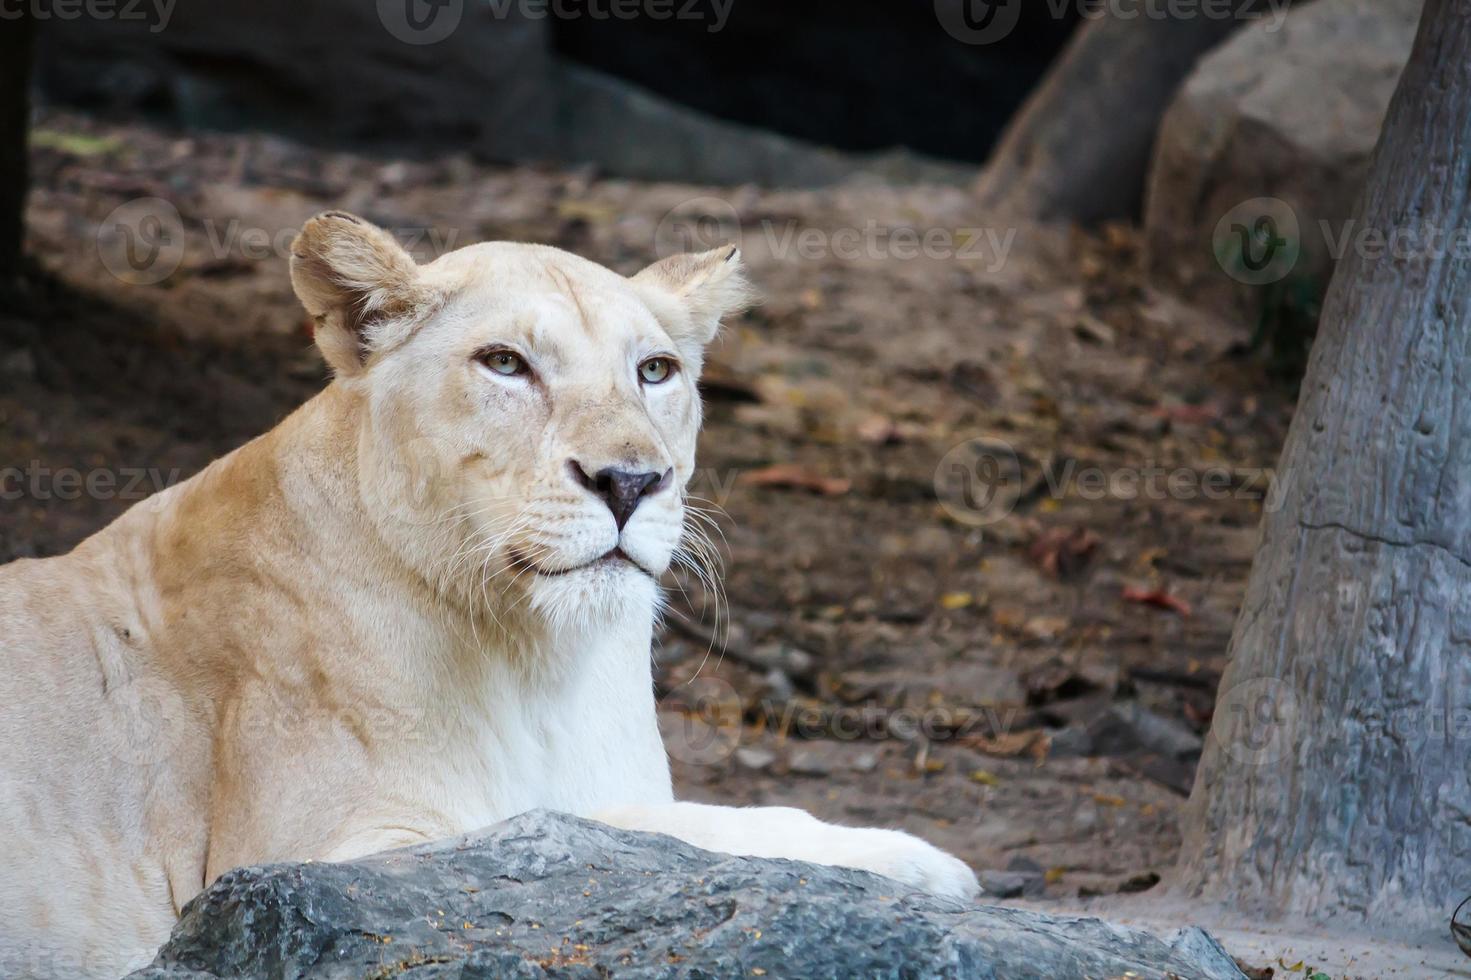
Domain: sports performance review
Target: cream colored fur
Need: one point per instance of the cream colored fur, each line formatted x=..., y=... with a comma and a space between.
x=384, y=622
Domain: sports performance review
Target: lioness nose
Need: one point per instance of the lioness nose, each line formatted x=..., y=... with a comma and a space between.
x=621, y=490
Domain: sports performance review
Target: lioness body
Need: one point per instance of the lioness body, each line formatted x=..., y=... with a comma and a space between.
x=403, y=614
x=209, y=704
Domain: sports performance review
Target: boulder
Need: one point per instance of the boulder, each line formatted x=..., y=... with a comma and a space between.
x=548, y=895
x=401, y=76
x=1287, y=111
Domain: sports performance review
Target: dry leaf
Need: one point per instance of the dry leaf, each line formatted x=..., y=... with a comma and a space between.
x=794, y=476
x=1063, y=551
x=1188, y=414
x=1158, y=598
x=1009, y=745
x=879, y=430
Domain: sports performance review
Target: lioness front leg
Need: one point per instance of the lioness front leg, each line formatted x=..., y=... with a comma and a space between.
x=782, y=832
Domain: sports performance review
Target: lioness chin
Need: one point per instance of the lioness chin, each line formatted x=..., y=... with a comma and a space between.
x=422, y=604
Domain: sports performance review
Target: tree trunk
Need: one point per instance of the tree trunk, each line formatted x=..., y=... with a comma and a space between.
x=1079, y=147
x=15, y=61
x=1336, y=777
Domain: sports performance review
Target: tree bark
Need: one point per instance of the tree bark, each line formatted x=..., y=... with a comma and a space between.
x=1336, y=776
x=15, y=61
x=1079, y=147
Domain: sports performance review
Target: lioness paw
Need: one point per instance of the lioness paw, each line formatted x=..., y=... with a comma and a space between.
x=911, y=861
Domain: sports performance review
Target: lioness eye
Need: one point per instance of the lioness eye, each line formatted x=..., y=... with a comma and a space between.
x=504, y=362
x=656, y=370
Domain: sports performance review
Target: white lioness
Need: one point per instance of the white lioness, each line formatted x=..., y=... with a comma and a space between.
x=422, y=604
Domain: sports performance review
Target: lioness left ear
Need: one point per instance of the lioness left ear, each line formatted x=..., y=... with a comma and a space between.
x=359, y=284
x=692, y=293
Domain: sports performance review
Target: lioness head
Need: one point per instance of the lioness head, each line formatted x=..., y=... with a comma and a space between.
x=529, y=418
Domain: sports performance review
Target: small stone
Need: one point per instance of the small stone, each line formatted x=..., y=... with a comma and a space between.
x=1003, y=884
x=779, y=686
x=805, y=762
x=754, y=759
x=21, y=363
x=1070, y=742
x=1129, y=726
x=864, y=762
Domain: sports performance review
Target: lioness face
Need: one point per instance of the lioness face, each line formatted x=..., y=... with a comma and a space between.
x=531, y=417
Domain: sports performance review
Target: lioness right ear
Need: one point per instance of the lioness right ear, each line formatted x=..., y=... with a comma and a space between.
x=361, y=287
x=693, y=292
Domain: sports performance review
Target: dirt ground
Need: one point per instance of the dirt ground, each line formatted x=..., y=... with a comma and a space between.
x=990, y=508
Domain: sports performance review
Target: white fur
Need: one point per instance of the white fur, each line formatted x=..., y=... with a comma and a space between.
x=384, y=622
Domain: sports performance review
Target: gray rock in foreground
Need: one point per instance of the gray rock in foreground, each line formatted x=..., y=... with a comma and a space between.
x=550, y=895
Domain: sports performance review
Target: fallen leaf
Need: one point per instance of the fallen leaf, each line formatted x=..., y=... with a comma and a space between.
x=1011, y=744
x=985, y=777
x=1063, y=551
x=1094, y=330
x=1188, y=414
x=1158, y=598
x=1045, y=627
x=74, y=144
x=880, y=430
x=593, y=212
x=956, y=600
x=794, y=476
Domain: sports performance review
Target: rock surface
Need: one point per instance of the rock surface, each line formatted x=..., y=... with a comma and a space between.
x=1289, y=111
x=550, y=895
x=403, y=77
